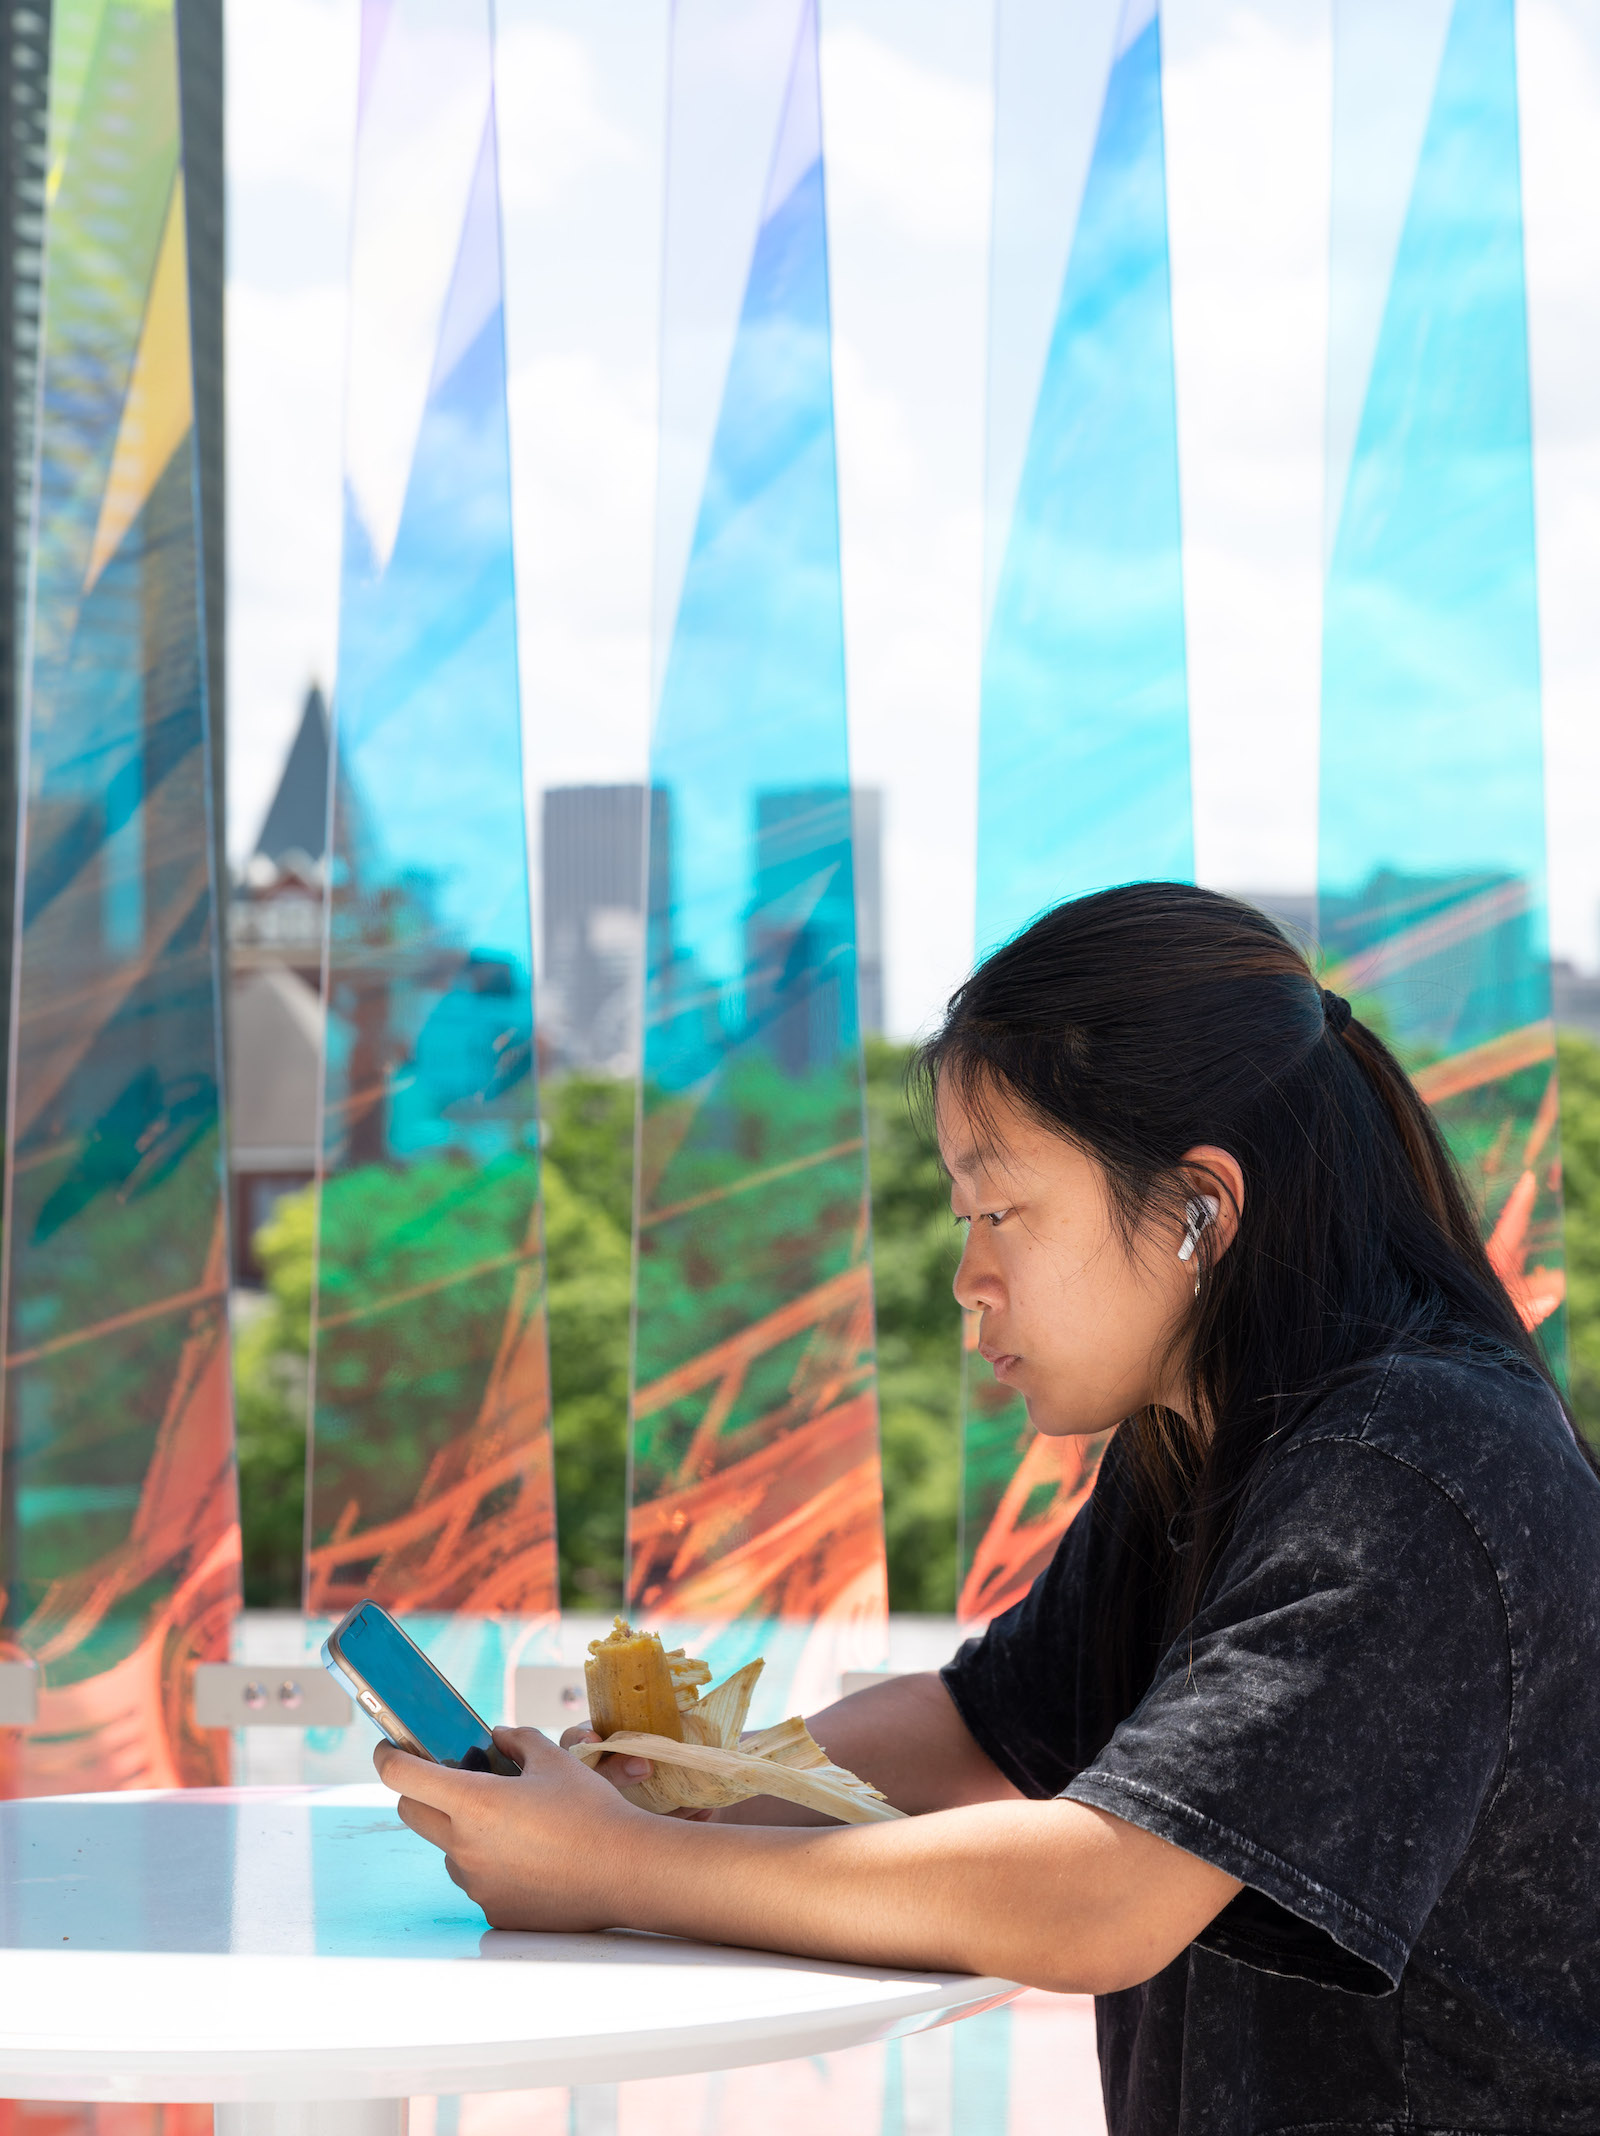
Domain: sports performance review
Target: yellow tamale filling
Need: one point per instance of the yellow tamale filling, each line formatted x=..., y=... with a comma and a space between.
x=630, y=1685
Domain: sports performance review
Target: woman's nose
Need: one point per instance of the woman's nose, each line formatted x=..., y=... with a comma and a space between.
x=976, y=1284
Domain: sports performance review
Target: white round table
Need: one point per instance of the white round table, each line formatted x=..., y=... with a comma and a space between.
x=290, y=1952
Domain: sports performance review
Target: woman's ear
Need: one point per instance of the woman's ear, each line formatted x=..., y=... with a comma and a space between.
x=1214, y=1184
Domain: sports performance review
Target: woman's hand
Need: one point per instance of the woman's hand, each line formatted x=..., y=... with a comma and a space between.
x=624, y=1771
x=620, y=1771
x=543, y=1851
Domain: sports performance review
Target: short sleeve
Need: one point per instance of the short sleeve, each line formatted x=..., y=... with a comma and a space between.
x=1333, y=1722
x=1021, y=1687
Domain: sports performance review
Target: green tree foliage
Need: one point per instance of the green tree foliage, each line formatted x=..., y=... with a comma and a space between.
x=915, y=1247
x=758, y=1201
x=588, y=1262
x=589, y=1135
x=588, y=1193
x=1578, y=1063
x=270, y=1344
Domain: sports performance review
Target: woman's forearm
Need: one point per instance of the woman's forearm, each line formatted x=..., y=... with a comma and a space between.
x=905, y=1737
x=1054, y=1894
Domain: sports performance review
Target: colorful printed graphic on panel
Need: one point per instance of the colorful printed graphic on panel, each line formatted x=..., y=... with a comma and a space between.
x=757, y=1510
x=120, y=1544
x=1432, y=832
x=430, y=1481
x=1084, y=738
x=1020, y=1492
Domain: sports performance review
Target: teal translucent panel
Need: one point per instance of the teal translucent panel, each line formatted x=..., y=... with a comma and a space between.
x=1084, y=737
x=430, y=1476
x=1084, y=749
x=119, y=1547
x=756, y=1520
x=1432, y=858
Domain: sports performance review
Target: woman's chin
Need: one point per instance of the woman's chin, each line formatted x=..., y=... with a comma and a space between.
x=1052, y=1423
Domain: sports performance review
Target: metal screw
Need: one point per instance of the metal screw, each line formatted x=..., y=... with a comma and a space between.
x=255, y=1696
x=289, y=1693
x=571, y=1695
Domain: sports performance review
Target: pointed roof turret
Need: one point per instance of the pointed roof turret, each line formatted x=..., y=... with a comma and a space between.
x=297, y=821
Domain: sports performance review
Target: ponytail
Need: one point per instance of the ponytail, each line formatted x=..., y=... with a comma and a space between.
x=1426, y=1151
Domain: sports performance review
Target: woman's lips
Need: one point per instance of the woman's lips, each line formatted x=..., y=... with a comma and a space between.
x=1000, y=1362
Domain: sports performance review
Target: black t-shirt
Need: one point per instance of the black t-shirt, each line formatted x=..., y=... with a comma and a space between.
x=1385, y=1721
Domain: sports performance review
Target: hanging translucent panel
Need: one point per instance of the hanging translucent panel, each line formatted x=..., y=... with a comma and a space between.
x=1019, y=1491
x=1432, y=856
x=430, y=1476
x=1084, y=735
x=756, y=1522
x=119, y=1547
x=1084, y=749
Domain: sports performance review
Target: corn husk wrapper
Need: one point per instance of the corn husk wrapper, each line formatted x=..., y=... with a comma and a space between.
x=714, y=1762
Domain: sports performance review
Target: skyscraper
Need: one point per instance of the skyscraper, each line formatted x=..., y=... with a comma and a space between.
x=595, y=909
x=594, y=921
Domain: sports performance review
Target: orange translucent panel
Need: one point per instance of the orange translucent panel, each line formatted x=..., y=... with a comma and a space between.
x=119, y=1545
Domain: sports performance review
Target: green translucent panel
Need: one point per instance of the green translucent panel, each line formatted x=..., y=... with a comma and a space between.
x=1432, y=856
x=119, y=1546
x=1084, y=736
x=757, y=1519
x=430, y=1475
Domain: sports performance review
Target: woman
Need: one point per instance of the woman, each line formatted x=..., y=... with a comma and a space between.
x=1292, y=1755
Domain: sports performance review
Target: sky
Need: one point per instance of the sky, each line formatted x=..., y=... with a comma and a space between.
x=908, y=132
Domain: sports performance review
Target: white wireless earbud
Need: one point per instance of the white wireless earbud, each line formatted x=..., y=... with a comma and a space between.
x=1202, y=1210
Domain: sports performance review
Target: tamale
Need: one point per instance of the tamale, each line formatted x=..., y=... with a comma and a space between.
x=630, y=1685
x=702, y=1759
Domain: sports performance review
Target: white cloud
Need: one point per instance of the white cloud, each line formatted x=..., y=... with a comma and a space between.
x=909, y=139
x=291, y=91
x=554, y=131
x=1558, y=53
x=1247, y=105
x=285, y=356
x=908, y=146
x=585, y=459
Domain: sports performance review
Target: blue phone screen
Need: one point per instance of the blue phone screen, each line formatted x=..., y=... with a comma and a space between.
x=414, y=1691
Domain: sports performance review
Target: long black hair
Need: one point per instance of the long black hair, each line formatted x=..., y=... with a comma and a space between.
x=1142, y=1022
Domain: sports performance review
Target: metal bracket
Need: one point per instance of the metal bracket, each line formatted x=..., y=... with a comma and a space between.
x=294, y=1694
x=19, y=1694
x=864, y=1679
x=546, y=1695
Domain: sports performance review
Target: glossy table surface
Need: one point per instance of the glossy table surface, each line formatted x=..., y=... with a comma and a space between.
x=297, y=1943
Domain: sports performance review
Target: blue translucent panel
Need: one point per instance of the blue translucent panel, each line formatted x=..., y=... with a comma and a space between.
x=1084, y=749
x=757, y=1518
x=1084, y=736
x=119, y=1542
x=430, y=1475
x=1432, y=855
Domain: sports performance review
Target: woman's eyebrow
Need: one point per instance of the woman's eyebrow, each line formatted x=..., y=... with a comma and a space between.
x=976, y=1157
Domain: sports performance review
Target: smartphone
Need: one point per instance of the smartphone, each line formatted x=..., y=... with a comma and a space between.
x=419, y=1710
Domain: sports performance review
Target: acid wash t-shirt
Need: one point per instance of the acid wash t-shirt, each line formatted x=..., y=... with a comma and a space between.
x=1385, y=1721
